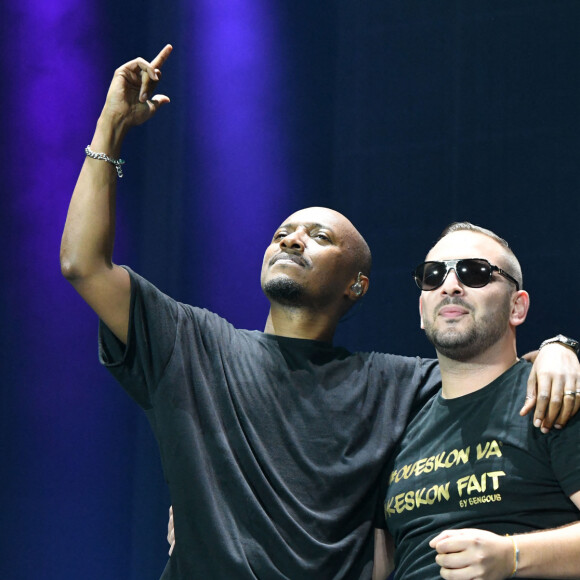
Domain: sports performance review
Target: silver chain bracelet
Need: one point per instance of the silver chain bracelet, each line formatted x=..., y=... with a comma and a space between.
x=116, y=162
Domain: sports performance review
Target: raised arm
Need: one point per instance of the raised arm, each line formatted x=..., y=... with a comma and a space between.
x=86, y=253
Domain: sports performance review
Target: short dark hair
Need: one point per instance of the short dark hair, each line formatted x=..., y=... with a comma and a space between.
x=512, y=265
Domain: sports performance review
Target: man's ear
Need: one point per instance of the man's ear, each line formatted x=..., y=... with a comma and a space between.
x=421, y=313
x=358, y=287
x=520, y=307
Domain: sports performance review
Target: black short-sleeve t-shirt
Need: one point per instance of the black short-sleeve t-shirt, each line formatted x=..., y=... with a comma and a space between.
x=272, y=447
x=474, y=462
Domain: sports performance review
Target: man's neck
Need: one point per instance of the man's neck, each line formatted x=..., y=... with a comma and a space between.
x=463, y=377
x=300, y=323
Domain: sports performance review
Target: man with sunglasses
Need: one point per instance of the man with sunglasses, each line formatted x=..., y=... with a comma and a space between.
x=272, y=443
x=471, y=476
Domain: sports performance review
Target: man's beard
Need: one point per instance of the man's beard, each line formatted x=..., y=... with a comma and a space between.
x=285, y=291
x=476, y=339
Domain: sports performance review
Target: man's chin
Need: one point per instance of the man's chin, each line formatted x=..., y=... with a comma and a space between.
x=449, y=340
x=453, y=343
x=284, y=290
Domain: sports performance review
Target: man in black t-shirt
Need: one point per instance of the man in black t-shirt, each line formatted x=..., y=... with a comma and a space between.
x=273, y=443
x=471, y=476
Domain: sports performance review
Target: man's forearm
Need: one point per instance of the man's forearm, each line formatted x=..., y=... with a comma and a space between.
x=88, y=238
x=550, y=553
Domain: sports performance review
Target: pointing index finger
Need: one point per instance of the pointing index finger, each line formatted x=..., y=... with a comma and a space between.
x=163, y=55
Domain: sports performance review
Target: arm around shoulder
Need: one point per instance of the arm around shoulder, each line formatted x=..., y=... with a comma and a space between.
x=552, y=385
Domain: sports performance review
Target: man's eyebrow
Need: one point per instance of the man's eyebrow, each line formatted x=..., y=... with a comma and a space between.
x=307, y=225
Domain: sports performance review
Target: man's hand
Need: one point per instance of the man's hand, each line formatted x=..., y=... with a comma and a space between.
x=130, y=100
x=555, y=379
x=471, y=554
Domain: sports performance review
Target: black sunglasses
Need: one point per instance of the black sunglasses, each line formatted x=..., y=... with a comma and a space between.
x=473, y=272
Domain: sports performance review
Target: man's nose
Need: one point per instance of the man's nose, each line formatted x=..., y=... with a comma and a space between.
x=293, y=240
x=452, y=285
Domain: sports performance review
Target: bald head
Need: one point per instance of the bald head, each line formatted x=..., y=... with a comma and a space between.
x=354, y=243
x=318, y=260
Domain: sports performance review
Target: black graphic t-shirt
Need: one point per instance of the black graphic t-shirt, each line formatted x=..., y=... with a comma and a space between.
x=473, y=462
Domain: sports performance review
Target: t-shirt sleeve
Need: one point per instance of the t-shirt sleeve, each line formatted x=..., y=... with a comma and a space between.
x=429, y=378
x=153, y=321
x=419, y=375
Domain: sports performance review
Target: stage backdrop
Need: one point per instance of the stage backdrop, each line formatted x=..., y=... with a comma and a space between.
x=403, y=115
